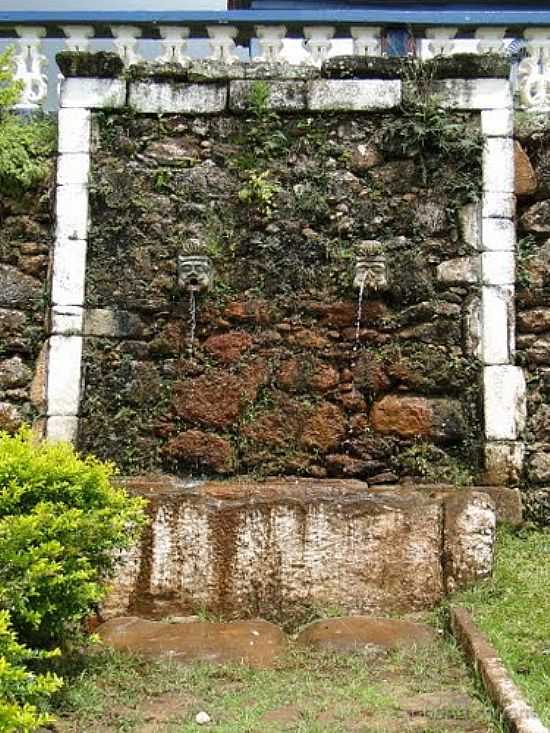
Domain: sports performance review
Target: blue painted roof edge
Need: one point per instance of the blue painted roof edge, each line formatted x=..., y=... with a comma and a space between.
x=381, y=16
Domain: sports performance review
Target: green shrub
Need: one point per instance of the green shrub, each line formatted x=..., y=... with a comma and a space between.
x=26, y=143
x=62, y=524
x=23, y=693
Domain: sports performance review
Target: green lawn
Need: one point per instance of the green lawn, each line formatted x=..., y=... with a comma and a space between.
x=428, y=690
x=513, y=609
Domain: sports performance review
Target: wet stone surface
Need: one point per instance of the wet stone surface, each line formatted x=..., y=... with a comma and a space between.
x=280, y=381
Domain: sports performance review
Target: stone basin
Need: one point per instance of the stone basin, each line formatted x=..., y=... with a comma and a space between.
x=284, y=548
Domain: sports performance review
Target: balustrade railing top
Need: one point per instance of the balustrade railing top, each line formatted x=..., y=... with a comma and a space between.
x=297, y=37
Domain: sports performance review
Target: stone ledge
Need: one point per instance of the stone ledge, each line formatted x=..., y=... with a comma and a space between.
x=92, y=93
x=360, y=95
x=457, y=66
x=284, y=96
x=172, y=97
x=503, y=692
x=473, y=94
x=289, y=544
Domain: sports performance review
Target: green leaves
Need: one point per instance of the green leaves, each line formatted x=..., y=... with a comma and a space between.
x=23, y=693
x=62, y=523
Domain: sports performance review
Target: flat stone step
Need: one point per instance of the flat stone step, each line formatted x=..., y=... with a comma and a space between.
x=363, y=633
x=253, y=643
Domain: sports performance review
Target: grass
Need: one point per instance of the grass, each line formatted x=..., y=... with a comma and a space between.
x=309, y=692
x=513, y=610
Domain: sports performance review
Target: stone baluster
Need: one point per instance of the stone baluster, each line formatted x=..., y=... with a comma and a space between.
x=29, y=65
x=490, y=39
x=534, y=70
x=77, y=37
x=366, y=40
x=222, y=43
x=270, y=39
x=442, y=43
x=125, y=41
x=173, y=44
x=317, y=42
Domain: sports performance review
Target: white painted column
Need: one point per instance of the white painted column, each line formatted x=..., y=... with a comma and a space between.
x=504, y=391
x=68, y=275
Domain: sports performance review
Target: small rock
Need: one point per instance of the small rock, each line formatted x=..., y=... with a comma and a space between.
x=202, y=718
x=537, y=218
x=14, y=373
x=525, y=177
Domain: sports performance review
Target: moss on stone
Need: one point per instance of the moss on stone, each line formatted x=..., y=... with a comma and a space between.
x=102, y=64
x=469, y=66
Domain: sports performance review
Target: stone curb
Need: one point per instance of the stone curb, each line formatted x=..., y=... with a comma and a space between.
x=519, y=716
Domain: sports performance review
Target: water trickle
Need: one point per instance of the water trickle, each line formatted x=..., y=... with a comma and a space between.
x=192, y=323
x=358, y=326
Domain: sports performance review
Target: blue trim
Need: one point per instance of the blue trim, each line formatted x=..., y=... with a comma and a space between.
x=403, y=15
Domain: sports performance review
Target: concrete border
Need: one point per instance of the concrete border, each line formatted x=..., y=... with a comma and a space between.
x=505, y=695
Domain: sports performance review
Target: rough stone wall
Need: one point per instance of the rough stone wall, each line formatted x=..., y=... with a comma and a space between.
x=276, y=383
x=533, y=302
x=25, y=241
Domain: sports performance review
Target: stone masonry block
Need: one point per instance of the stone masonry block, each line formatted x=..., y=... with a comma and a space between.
x=69, y=272
x=459, y=270
x=284, y=96
x=498, y=235
x=73, y=168
x=497, y=122
x=354, y=95
x=504, y=402
x=67, y=320
x=498, y=321
x=153, y=97
x=498, y=268
x=503, y=463
x=498, y=165
x=64, y=364
x=469, y=218
x=93, y=93
x=474, y=93
x=73, y=131
x=62, y=428
x=499, y=205
x=71, y=209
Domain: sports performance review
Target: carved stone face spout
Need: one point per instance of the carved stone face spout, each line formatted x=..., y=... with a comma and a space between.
x=195, y=269
x=370, y=267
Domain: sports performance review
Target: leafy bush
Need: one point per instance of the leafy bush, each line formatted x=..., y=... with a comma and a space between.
x=23, y=693
x=26, y=143
x=61, y=525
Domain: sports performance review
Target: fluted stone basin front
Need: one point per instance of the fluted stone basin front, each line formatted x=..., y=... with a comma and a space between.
x=281, y=548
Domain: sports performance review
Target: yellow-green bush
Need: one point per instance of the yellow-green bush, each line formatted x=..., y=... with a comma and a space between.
x=23, y=694
x=62, y=523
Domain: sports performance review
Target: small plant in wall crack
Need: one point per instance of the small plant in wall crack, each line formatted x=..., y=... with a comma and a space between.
x=259, y=192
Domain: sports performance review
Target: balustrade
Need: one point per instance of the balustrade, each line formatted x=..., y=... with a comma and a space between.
x=272, y=43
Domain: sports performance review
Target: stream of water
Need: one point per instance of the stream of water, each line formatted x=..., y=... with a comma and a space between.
x=192, y=323
x=358, y=326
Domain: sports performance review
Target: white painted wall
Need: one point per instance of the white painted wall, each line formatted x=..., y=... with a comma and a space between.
x=75, y=5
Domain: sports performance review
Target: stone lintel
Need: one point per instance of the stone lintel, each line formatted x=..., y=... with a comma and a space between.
x=93, y=93
x=474, y=94
x=284, y=96
x=173, y=97
x=354, y=95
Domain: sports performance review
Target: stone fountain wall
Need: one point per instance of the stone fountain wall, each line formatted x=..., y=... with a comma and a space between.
x=276, y=384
